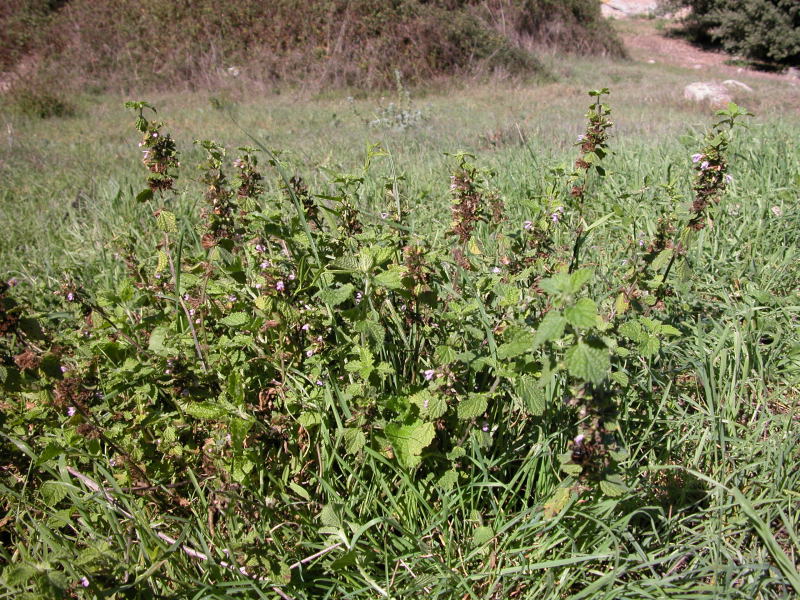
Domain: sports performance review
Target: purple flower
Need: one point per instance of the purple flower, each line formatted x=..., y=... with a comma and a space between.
x=291, y=276
x=696, y=158
x=71, y=297
x=260, y=248
x=704, y=165
x=309, y=353
x=728, y=178
x=71, y=411
x=384, y=215
x=64, y=369
x=280, y=286
x=359, y=297
x=527, y=225
x=496, y=270
x=306, y=327
x=232, y=298
x=319, y=382
x=428, y=374
x=84, y=580
x=257, y=286
x=265, y=265
x=555, y=217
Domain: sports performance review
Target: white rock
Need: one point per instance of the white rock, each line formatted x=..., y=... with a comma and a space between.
x=733, y=84
x=706, y=91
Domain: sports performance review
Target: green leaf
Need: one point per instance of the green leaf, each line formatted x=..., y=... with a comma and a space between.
x=309, y=419
x=632, y=330
x=587, y=362
x=557, y=502
x=520, y=343
x=334, y=297
x=448, y=480
x=474, y=406
x=613, y=486
x=408, y=441
x=669, y=330
x=483, y=535
x=551, y=328
x=236, y=319
x=391, y=278
x=205, y=410
x=557, y=284
x=156, y=343
x=51, y=451
x=531, y=394
x=166, y=221
x=354, y=440
x=329, y=517
x=431, y=406
x=53, y=492
x=444, y=355
x=578, y=279
x=144, y=195
x=582, y=314
x=649, y=346
x=620, y=377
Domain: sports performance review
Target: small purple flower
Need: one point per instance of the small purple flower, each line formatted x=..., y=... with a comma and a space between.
x=527, y=225
x=319, y=382
x=309, y=353
x=265, y=265
x=359, y=297
x=696, y=158
x=70, y=297
x=496, y=270
x=555, y=217
x=485, y=427
x=292, y=276
x=191, y=312
x=12, y=282
x=306, y=327
x=64, y=369
x=155, y=134
x=257, y=286
x=71, y=411
x=581, y=138
x=579, y=438
x=280, y=286
x=384, y=215
x=85, y=580
x=704, y=165
x=728, y=178
x=428, y=374
x=260, y=248
x=232, y=298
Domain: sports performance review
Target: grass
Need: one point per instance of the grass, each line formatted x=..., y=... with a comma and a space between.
x=711, y=427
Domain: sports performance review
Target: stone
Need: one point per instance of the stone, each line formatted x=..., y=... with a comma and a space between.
x=715, y=94
x=732, y=84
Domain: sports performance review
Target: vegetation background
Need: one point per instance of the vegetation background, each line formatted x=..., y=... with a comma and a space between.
x=344, y=444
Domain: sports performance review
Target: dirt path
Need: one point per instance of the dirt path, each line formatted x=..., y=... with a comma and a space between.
x=647, y=42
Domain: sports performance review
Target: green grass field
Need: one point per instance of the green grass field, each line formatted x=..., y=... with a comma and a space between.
x=281, y=465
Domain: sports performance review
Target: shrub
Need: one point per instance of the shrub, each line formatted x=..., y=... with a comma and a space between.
x=326, y=42
x=761, y=30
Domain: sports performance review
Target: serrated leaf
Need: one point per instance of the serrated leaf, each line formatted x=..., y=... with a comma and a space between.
x=551, y=328
x=532, y=395
x=472, y=407
x=482, y=535
x=204, y=410
x=444, y=355
x=329, y=517
x=587, y=362
x=166, y=221
x=571, y=469
x=346, y=263
x=236, y=319
x=520, y=343
x=335, y=296
x=621, y=304
x=556, y=285
x=431, y=406
x=53, y=492
x=669, y=330
x=556, y=503
x=391, y=278
x=408, y=441
x=354, y=440
x=144, y=195
x=632, y=330
x=613, y=486
x=373, y=329
x=578, y=279
x=309, y=419
x=649, y=346
x=620, y=377
x=448, y=480
x=661, y=260
x=582, y=314
x=456, y=453
x=161, y=261
x=157, y=339
x=50, y=452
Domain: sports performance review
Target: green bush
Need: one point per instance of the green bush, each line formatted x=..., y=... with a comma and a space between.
x=761, y=30
x=360, y=43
